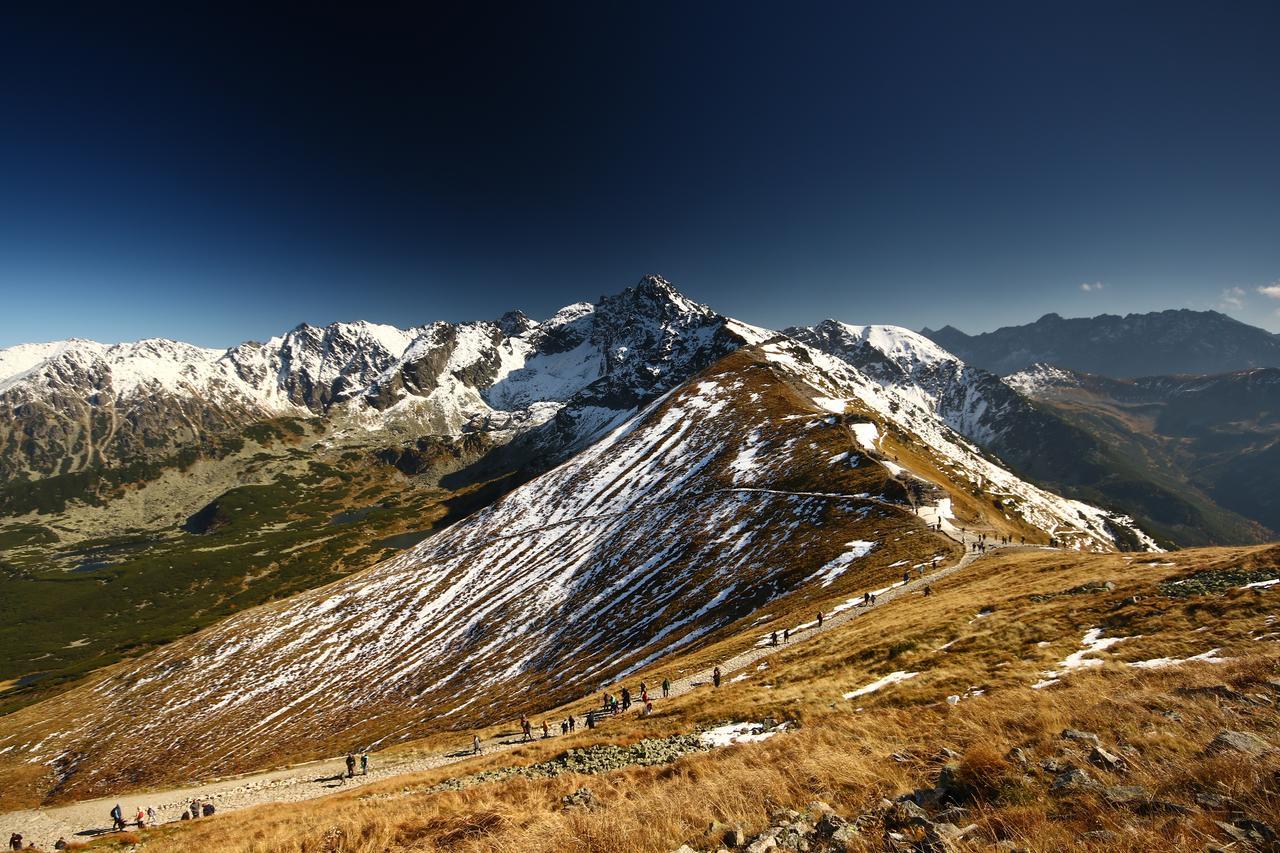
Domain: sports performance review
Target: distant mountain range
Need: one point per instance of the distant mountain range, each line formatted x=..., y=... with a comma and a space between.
x=1156, y=344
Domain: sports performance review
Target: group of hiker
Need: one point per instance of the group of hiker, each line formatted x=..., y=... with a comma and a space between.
x=610, y=705
x=351, y=764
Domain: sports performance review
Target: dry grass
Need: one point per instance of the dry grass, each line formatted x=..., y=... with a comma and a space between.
x=1155, y=719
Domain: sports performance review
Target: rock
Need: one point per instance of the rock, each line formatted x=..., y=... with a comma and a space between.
x=1020, y=756
x=844, y=835
x=946, y=754
x=1119, y=795
x=818, y=808
x=579, y=799
x=760, y=845
x=1088, y=737
x=1245, y=743
x=735, y=838
x=1053, y=765
x=1215, y=802
x=903, y=813
x=928, y=798
x=1105, y=836
x=684, y=848
x=1248, y=831
x=1072, y=779
x=952, y=832
x=949, y=776
x=830, y=824
x=952, y=814
x=1106, y=760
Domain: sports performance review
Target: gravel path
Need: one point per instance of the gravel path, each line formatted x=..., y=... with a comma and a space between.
x=88, y=818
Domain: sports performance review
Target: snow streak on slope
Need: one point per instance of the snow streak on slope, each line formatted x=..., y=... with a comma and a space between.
x=642, y=544
x=1074, y=523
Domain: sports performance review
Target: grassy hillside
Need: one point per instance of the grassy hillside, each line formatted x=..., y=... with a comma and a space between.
x=992, y=759
x=1186, y=490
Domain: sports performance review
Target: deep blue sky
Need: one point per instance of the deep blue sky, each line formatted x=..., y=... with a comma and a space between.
x=217, y=179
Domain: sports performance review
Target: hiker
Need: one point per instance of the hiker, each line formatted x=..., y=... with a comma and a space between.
x=643, y=688
x=644, y=695
x=773, y=639
x=117, y=818
x=573, y=724
x=207, y=809
x=647, y=710
x=786, y=635
x=715, y=676
x=564, y=727
x=626, y=698
x=527, y=729
x=666, y=687
x=591, y=719
x=819, y=618
x=61, y=844
x=140, y=819
x=928, y=590
x=194, y=809
x=906, y=577
x=151, y=816
x=351, y=765
x=15, y=841
x=475, y=745
x=364, y=764
x=546, y=730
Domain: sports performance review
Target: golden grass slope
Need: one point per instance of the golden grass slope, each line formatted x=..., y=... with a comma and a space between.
x=851, y=753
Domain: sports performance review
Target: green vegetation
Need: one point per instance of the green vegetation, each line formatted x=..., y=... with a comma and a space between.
x=66, y=610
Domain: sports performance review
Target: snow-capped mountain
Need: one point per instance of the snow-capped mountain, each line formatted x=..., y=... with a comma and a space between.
x=776, y=473
x=76, y=404
x=974, y=402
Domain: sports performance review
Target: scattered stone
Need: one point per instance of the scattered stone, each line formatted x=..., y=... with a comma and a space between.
x=1104, y=836
x=1072, y=779
x=1215, y=802
x=1007, y=846
x=1106, y=760
x=1020, y=757
x=735, y=838
x=947, y=754
x=1053, y=765
x=902, y=813
x=1120, y=795
x=579, y=799
x=1218, y=691
x=684, y=848
x=1248, y=831
x=1088, y=737
x=1245, y=743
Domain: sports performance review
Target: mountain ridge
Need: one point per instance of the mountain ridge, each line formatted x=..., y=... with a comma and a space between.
x=1136, y=344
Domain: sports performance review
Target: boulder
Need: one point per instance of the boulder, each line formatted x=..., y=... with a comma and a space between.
x=1087, y=737
x=1020, y=757
x=1106, y=760
x=1245, y=743
x=1072, y=779
x=1119, y=795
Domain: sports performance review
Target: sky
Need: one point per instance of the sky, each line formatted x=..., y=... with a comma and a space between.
x=222, y=178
